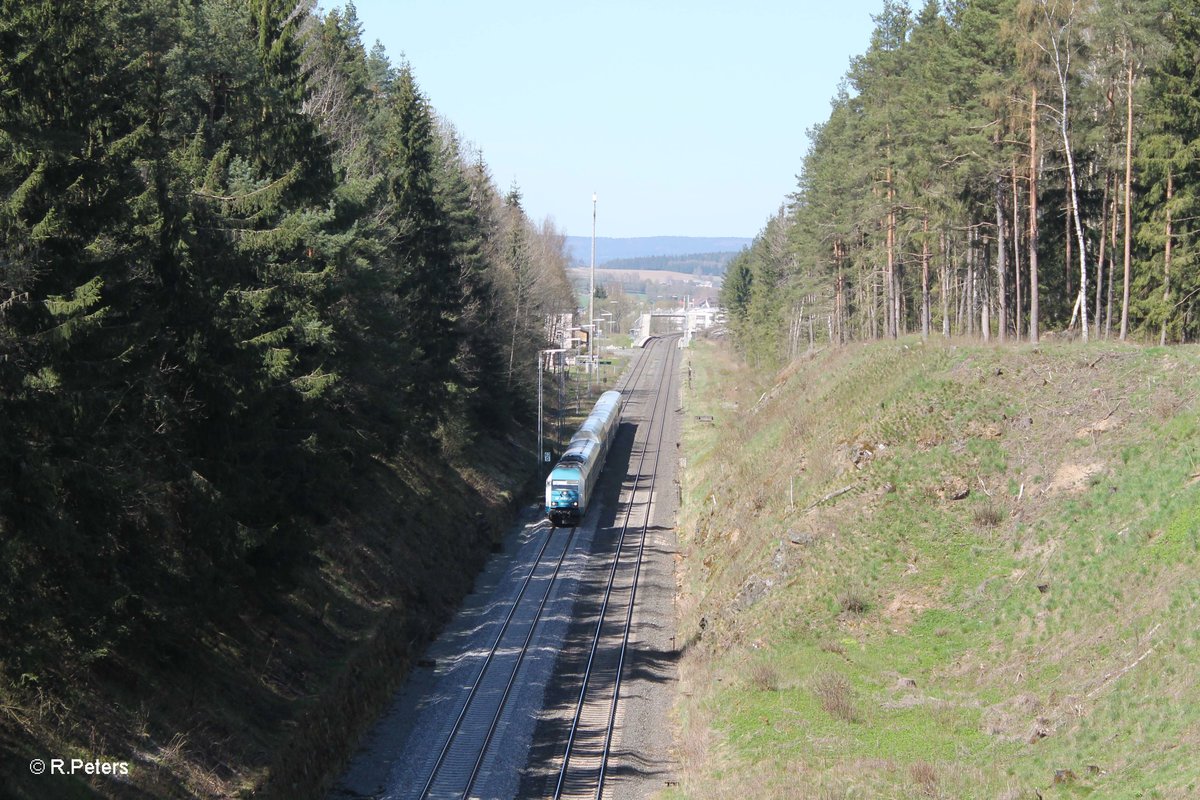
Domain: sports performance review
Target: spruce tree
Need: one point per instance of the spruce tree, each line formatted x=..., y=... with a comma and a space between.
x=478, y=362
x=420, y=250
x=1169, y=151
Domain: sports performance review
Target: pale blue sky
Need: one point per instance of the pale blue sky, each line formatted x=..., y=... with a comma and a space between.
x=685, y=118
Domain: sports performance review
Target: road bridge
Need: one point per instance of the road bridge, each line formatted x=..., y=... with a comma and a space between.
x=686, y=321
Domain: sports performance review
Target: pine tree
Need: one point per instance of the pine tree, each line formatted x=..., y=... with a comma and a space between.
x=985, y=91
x=258, y=342
x=878, y=76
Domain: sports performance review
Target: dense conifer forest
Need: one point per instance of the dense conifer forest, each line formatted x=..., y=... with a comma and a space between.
x=241, y=260
x=996, y=169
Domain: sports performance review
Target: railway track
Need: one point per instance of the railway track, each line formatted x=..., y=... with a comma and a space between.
x=457, y=767
x=458, y=764
x=589, y=741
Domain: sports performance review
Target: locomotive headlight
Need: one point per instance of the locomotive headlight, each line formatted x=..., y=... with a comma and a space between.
x=576, y=503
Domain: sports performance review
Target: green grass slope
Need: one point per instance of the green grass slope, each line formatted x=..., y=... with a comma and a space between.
x=942, y=571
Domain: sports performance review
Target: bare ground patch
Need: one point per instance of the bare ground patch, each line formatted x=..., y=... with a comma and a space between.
x=1074, y=478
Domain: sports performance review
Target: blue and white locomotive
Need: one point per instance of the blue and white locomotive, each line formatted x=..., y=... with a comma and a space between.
x=572, y=481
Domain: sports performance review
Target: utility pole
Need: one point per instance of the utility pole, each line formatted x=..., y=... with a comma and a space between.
x=541, y=438
x=592, y=301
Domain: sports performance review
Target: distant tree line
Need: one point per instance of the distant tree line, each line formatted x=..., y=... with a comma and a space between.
x=694, y=263
x=240, y=259
x=993, y=168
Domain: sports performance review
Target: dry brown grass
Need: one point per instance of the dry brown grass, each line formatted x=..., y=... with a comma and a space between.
x=836, y=696
x=925, y=776
x=694, y=732
x=1165, y=406
x=832, y=646
x=990, y=515
x=764, y=677
x=853, y=602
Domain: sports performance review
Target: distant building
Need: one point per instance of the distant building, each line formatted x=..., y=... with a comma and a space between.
x=703, y=316
x=559, y=329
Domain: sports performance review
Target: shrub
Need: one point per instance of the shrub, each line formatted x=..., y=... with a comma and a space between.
x=833, y=646
x=989, y=516
x=836, y=696
x=764, y=677
x=852, y=602
x=925, y=777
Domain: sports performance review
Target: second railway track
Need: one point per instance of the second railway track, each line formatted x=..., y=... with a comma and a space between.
x=588, y=746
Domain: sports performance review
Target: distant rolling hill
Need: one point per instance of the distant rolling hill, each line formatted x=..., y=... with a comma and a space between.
x=579, y=248
x=711, y=264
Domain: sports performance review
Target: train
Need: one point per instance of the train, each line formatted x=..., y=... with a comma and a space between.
x=573, y=480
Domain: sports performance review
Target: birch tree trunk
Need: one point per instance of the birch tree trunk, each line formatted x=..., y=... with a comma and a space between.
x=1016, y=241
x=925, y=277
x=945, y=285
x=970, y=288
x=1108, y=308
x=873, y=307
x=893, y=305
x=1001, y=262
x=1101, y=254
x=1068, y=246
x=985, y=293
x=1062, y=68
x=839, y=289
x=1128, y=197
x=1034, y=322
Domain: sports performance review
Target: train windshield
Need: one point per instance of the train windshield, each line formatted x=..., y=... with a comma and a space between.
x=566, y=486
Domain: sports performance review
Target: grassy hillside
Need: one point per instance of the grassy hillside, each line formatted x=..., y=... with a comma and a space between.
x=943, y=571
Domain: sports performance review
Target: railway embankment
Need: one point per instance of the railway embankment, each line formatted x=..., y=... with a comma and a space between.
x=271, y=700
x=941, y=570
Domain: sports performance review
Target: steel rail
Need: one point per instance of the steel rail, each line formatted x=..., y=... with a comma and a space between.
x=660, y=399
x=512, y=678
x=582, y=702
x=639, y=368
x=489, y=659
x=616, y=693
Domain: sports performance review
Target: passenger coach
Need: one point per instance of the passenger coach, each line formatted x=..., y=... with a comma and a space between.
x=573, y=480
